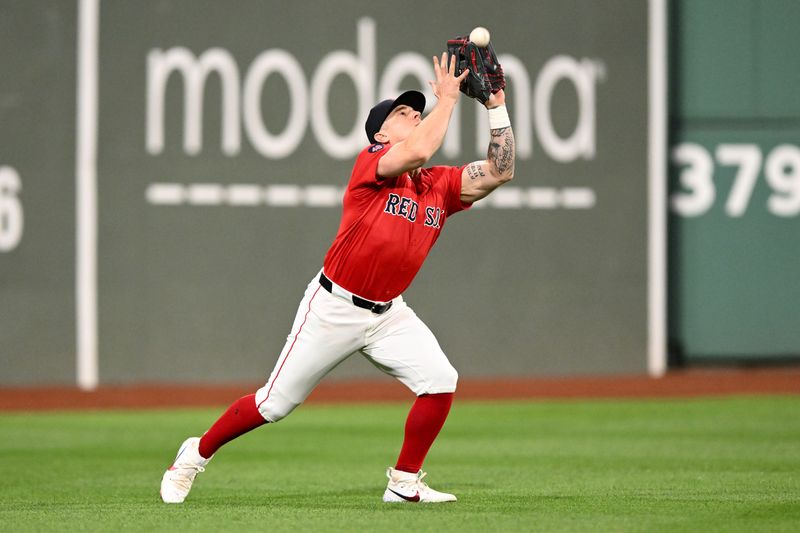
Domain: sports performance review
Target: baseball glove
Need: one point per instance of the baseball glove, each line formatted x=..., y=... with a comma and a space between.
x=485, y=73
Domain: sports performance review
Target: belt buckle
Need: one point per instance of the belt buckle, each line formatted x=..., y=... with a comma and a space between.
x=379, y=309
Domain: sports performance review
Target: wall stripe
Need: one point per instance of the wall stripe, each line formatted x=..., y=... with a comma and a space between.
x=286, y=195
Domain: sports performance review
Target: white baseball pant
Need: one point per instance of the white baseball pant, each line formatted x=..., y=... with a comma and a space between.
x=328, y=329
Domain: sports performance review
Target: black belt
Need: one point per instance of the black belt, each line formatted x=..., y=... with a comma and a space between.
x=375, y=307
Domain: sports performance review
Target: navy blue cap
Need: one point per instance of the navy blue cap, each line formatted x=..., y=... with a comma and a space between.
x=413, y=99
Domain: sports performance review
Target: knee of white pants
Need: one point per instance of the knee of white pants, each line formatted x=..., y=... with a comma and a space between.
x=272, y=405
x=443, y=379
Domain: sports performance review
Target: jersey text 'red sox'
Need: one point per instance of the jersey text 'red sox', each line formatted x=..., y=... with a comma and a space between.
x=389, y=225
x=406, y=207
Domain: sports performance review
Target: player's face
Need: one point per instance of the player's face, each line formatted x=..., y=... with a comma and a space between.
x=401, y=122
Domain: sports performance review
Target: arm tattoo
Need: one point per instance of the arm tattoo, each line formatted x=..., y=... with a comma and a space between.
x=501, y=150
x=474, y=171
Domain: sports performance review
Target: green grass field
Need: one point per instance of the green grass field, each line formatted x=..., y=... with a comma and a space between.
x=724, y=464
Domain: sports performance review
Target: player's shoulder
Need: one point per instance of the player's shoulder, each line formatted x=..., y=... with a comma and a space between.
x=371, y=154
x=375, y=148
x=365, y=166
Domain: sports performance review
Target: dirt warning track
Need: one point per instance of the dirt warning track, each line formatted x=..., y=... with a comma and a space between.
x=675, y=384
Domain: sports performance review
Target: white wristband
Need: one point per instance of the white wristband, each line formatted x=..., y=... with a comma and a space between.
x=498, y=118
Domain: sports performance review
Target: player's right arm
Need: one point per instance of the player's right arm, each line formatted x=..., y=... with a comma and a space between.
x=425, y=139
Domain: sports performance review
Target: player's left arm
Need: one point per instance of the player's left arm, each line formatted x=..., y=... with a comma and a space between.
x=479, y=178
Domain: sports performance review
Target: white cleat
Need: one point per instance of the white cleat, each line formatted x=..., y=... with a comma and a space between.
x=407, y=487
x=178, y=479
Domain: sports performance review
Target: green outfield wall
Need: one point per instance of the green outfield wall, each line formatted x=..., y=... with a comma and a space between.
x=37, y=191
x=734, y=240
x=171, y=175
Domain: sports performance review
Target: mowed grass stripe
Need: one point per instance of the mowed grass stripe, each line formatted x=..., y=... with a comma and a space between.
x=722, y=464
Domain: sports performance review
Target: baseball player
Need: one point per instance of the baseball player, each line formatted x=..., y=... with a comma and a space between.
x=394, y=210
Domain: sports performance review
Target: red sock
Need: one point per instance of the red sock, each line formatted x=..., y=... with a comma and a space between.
x=241, y=417
x=423, y=424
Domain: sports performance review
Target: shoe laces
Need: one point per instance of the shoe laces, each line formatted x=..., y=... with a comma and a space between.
x=421, y=484
x=414, y=482
x=183, y=475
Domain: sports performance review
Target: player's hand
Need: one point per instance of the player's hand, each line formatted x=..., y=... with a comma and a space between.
x=496, y=99
x=446, y=85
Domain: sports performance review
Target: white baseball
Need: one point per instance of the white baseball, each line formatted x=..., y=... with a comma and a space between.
x=479, y=36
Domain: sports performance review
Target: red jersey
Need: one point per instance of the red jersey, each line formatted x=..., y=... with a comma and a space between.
x=389, y=225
